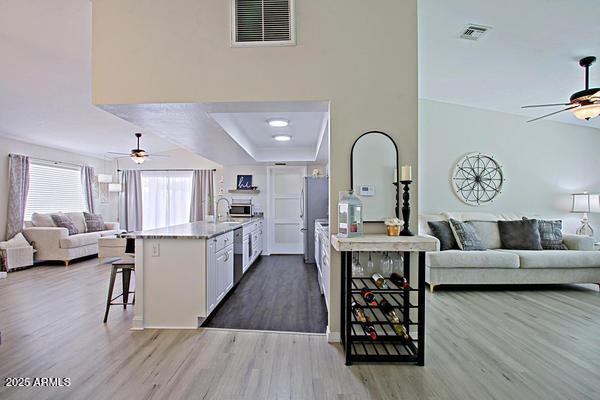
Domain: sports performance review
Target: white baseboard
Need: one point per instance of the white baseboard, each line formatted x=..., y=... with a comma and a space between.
x=333, y=337
x=137, y=324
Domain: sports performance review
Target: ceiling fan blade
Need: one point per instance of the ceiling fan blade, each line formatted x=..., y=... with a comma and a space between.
x=555, y=112
x=547, y=105
x=118, y=154
x=156, y=155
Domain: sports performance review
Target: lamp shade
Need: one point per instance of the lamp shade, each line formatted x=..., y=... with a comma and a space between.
x=595, y=203
x=104, y=178
x=114, y=187
x=581, y=203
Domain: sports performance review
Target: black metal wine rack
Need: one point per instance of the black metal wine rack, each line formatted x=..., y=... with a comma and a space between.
x=388, y=346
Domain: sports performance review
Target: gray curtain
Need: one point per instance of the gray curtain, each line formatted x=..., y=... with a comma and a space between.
x=89, y=192
x=203, y=195
x=18, y=187
x=130, y=215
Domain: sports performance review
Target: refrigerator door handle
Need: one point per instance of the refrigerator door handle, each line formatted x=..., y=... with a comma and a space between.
x=302, y=202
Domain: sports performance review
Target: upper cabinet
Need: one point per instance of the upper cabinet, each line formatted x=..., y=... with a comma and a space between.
x=374, y=175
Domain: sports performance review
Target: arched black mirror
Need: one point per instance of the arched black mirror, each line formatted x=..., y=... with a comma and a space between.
x=374, y=175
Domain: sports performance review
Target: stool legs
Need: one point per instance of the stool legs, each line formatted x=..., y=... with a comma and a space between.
x=126, y=281
x=111, y=285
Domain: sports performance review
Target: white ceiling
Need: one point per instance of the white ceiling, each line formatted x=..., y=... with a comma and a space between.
x=236, y=133
x=529, y=57
x=45, y=81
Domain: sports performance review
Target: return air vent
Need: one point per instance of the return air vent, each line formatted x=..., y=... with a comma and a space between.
x=474, y=32
x=262, y=23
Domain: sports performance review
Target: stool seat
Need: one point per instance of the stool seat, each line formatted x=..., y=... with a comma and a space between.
x=124, y=266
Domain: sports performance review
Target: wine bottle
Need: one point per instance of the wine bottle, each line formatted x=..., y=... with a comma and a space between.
x=388, y=310
x=368, y=296
x=365, y=321
x=379, y=281
x=399, y=280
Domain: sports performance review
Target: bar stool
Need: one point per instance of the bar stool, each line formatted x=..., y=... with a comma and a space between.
x=123, y=266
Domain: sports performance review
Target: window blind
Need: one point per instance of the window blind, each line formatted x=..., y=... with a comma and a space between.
x=54, y=188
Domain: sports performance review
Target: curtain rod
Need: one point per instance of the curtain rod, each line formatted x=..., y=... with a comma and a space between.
x=159, y=170
x=50, y=161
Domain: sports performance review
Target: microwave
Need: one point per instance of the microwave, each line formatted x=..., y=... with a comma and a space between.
x=241, y=208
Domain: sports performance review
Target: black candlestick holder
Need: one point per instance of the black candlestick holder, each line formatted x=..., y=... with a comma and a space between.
x=406, y=209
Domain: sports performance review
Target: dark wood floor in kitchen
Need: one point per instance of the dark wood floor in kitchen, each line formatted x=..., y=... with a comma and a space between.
x=278, y=293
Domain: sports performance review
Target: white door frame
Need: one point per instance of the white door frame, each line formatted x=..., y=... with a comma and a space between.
x=270, y=216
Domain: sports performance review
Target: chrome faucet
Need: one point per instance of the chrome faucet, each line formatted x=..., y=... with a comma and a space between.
x=228, y=207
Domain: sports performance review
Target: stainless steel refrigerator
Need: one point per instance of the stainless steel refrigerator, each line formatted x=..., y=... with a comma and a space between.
x=315, y=205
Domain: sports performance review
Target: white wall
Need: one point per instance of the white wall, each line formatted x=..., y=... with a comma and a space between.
x=8, y=146
x=543, y=161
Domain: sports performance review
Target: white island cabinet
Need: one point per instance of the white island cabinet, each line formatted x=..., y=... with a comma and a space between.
x=183, y=272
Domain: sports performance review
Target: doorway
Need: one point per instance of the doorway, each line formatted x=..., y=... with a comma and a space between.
x=285, y=222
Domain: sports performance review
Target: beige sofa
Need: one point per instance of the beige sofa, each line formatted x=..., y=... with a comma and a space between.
x=579, y=264
x=54, y=244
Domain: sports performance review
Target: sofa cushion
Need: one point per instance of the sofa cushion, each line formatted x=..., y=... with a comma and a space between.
x=78, y=221
x=442, y=231
x=94, y=222
x=471, y=216
x=42, y=220
x=63, y=221
x=488, y=233
x=472, y=259
x=520, y=234
x=557, y=258
x=466, y=236
x=82, y=239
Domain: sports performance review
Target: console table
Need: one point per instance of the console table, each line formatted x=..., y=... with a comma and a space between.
x=408, y=303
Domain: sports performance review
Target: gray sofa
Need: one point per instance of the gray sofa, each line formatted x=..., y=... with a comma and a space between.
x=579, y=264
x=54, y=244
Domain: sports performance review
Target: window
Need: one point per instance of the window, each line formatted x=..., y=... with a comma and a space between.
x=54, y=188
x=166, y=197
x=262, y=23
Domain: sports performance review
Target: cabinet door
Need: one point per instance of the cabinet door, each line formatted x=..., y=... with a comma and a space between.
x=246, y=252
x=228, y=270
x=211, y=276
x=220, y=281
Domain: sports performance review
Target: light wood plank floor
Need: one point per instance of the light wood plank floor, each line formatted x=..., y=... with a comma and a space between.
x=495, y=343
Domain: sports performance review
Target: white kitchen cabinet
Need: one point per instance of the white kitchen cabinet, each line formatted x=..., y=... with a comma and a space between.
x=224, y=271
x=211, y=275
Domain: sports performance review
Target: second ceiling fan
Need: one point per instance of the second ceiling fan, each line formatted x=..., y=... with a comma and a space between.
x=584, y=104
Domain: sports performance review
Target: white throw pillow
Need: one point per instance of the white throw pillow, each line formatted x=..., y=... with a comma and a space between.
x=17, y=241
x=42, y=220
x=78, y=220
x=488, y=232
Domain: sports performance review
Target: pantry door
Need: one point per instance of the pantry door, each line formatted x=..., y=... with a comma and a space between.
x=285, y=209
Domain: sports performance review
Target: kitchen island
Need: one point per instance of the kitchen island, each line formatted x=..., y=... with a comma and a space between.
x=183, y=272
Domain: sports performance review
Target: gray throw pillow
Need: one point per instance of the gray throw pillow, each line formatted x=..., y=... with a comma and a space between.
x=488, y=232
x=63, y=221
x=520, y=235
x=94, y=222
x=551, y=234
x=442, y=231
x=466, y=236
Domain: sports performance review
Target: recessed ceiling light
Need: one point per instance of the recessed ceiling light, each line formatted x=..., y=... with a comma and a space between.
x=282, y=138
x=278, y=122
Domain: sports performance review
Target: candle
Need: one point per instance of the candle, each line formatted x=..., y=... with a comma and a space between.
x=395, y=179
x=406, y=173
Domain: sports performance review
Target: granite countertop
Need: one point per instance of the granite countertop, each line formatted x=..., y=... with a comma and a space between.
x=194, y=230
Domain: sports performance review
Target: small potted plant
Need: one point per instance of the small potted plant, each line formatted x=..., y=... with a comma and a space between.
x=393, y=225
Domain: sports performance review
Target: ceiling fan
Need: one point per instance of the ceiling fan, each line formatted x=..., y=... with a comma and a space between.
x=137, y=155
x=584, y=104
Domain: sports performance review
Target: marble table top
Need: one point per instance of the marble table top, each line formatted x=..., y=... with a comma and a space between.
x=383, y=242
x=194, y=230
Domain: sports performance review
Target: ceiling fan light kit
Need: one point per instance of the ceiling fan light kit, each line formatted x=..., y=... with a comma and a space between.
x=584, y=104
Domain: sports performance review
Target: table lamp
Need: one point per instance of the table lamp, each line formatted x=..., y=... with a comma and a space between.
x=585, y=203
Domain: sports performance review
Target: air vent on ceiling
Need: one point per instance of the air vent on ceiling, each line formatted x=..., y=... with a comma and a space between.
x=262, y=23
x=474, y=32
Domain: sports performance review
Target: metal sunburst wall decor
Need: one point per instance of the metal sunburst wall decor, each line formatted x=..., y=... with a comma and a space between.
x=477, y=179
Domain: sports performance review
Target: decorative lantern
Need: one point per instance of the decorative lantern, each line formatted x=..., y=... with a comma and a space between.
x=350, y=220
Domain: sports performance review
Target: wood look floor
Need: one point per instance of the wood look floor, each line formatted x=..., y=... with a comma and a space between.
x=499, y=343
x=278, y=293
